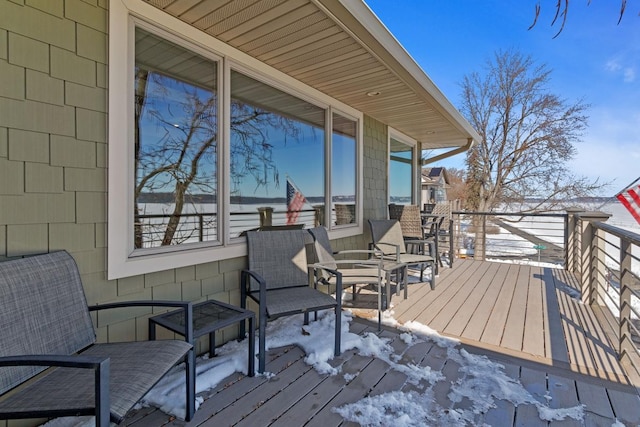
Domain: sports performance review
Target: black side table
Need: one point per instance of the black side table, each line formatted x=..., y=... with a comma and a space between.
x=208, y=317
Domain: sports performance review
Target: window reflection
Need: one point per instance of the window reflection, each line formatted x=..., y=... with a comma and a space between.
x=343, y=169
x=277, y=143
x=176, y=137
x=400, y=173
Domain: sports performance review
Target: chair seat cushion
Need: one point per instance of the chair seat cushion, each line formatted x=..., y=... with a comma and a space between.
x=415, y=258
x=356, y=276
x=293, y=300
x=135, y=368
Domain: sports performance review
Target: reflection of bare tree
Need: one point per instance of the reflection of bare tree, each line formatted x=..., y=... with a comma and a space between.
x=176, y=137
x=251, y=151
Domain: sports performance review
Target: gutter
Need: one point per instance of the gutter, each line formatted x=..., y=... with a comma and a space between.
x=450, y=153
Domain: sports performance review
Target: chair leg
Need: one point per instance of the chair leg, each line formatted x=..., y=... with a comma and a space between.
x=190, y=380
x=338, y=331
x=433, y=277
x=262, y=338
x=243, y=304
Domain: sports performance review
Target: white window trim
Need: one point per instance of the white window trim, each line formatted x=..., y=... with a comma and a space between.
x=120, y=262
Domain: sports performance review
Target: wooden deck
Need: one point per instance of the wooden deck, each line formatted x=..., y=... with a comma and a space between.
x=522, y=317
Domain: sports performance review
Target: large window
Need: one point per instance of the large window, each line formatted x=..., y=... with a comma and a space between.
x=205, y=144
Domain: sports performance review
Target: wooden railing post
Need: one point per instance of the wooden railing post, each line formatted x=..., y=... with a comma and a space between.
x=266, y=216
x=627, y=347
x=572, y=241
x=318, y=215
x=590, y=249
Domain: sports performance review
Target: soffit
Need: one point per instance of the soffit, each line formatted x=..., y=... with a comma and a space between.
x=326, y=46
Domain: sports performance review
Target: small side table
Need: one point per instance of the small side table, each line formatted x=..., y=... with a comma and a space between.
x=208, y=317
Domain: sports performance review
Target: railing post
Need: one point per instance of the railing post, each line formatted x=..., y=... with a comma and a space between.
x=589, y=252
x=627, y=347
x=318, y=215
x=266, y=216
x=572, y=248
x=483, y=238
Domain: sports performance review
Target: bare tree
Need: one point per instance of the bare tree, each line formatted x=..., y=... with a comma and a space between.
x=562, y=11
x=457, y=184
x=528, y=136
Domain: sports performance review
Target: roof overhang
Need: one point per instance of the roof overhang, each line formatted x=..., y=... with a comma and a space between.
x=340, y=48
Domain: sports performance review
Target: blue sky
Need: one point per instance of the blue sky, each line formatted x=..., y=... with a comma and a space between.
x=593, y=59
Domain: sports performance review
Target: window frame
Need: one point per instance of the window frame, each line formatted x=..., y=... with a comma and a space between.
x=122, y=259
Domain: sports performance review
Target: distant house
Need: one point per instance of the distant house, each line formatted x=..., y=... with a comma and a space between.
x=435, y=182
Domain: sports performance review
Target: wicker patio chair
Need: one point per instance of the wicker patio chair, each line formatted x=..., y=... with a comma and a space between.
x=278, y=280
x=445, y=230
x=415, y=227
x=363, y=267
x=387, y=237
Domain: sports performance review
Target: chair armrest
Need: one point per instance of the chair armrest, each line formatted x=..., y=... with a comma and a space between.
x=249, y=274
x=245, y=283
x=101, y=366
x=65, y=361
x=313, y=268
x=187, y=306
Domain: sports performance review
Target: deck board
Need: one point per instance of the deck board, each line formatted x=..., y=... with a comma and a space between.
x=480, y=317
x=514, y=326
x=495, y=326
x=534, y=326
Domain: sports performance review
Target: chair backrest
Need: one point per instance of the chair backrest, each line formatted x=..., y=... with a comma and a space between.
x=280, y=257
x=409, y=218
x=443, y=209
x=43, y=310
x=322, y=246
x=322, y=249
x=386, y=235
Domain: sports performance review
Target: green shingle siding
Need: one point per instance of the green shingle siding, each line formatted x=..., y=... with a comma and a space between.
x=27, y=239
x=66, y=151
x=11, y=178
x=41, y=178
x=13, y=84
x=38, y=25
x=28, y=146
x=41, y=87
x=28, y=53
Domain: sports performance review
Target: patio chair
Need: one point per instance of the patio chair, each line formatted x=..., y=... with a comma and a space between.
x=445, y=230
x=368, y=269
x=387, y=238
x=278, y=280
x=415, y=227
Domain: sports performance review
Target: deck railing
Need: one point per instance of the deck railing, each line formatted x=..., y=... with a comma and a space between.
x=607, y=261
x=605, y=258
x=510, y=236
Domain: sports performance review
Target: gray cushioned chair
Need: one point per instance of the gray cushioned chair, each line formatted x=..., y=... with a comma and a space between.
x=278, y=280
x=45, y=322
x=362, y=267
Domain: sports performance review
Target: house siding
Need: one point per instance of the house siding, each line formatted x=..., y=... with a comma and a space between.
x=53, y=164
